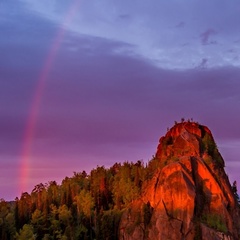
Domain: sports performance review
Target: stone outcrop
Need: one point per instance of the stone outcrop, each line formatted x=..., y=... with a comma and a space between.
x=189, y=196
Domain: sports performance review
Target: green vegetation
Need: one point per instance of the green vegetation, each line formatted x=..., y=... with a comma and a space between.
x=209, y=146
x=152, y=166
x=89, y=206
x=235, y=192
x=81, y=207
x=215, y=221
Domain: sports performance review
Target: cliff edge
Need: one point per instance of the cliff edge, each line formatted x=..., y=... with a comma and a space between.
x=188, y=196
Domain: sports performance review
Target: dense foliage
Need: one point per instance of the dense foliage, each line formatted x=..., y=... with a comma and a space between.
x=81, y=207
x=89, y=206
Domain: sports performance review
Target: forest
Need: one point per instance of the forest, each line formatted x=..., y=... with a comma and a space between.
x=84, y=206
x=90, y=206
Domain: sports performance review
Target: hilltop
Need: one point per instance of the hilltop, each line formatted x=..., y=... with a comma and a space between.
x=182, y=193
x=189, y=196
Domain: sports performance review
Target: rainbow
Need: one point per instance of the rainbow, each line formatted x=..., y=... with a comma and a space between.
x=25, y=159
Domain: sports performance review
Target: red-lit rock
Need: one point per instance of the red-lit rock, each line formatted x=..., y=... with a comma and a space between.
x=189, y=196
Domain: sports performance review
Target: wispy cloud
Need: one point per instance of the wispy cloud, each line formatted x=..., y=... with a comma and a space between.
x=144, y=25
x=180, y=25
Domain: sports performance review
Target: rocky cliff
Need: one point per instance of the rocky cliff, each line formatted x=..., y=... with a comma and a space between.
x=188, y=196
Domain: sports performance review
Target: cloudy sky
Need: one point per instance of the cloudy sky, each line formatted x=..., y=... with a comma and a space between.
x=86, y=83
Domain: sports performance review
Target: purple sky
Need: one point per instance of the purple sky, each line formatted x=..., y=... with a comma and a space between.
x=121, y=72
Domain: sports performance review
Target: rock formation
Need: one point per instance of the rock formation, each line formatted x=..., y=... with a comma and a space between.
x=189, y=196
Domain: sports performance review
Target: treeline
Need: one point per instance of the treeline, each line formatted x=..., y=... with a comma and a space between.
x=81, y=207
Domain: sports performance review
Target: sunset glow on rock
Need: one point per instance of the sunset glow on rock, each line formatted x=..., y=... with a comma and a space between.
x=188, y=190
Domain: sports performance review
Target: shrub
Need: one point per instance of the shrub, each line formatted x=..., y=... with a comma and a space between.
x=215, y=221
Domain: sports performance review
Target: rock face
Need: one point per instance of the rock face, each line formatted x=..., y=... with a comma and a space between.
x=189, y=196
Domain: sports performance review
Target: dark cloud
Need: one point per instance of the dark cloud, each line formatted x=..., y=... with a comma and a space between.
x=231, y=50
x=203, y=63
x=205, y=36
x=125, y=16
x=180, y=25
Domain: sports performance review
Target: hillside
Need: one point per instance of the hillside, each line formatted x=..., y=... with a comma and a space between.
x=182, y=193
